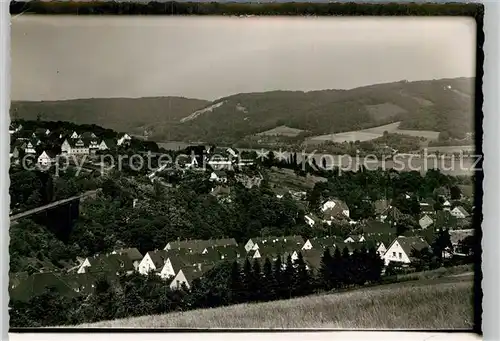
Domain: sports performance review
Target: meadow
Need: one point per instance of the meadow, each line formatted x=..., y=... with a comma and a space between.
x=373, y=133
x=443, y=303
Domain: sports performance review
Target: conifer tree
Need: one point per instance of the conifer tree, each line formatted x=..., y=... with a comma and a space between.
x=345, y=268
x=278, y=278
x=288, y=277
x=302, y=279
x=337, y=270
x=255, y=282
x=325, y=271
x=246, y=295
x=236, y=283
x=268, y=282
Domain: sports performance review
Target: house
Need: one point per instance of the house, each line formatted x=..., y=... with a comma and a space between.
x=123, y=139
x=106, y=144
x=427, y=206
x=355, y=239
x=131, y=253
x=30, y=148
x=425, y=221
x=218, y=176
x=402, y=247
x=334, y=208
x=321, y=243
x=459, y=212
x=310, y=219
x=113, y=263
x=381, y=249
x=46, y=158
x=257, y=242
x=153, y=261
x=74, y=135
x=391, y=215
x=12, y=129
x=74, y=147
x=37, y=283
x=198, y=246
x=178, y=260
x=446, y=205
x=457, y=236
x=187, y=275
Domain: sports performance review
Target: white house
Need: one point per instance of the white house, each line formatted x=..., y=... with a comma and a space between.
x=355, y=239
x=75, y=135
x=425, y=221
x=186, y=276
x=459, y=212
x=152, y=261
x=333, y=208
x=446, y=205
x=401, y=249
x=74, y=147
x=178, y=280
x=85, y=264
x=47, y=131
x=168, y=270
x=309, y=221
x=30, y=149
x=45, y=159
x=381, y=250
x=218, y=176
x=124, y=138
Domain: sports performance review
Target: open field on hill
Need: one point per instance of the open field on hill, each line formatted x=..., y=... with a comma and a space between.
x=427, y=304
x=372, y=133
x=281, y=131
x=450, y=149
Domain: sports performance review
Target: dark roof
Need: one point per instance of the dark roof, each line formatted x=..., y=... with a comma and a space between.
x=376, y=227
x=111, y=263
x=324, y=242
x=158, y=257
x=408, y=244
x=110, y=143
x=77, y=143
x=37, y=283
x=132, y=253
x=199, y=245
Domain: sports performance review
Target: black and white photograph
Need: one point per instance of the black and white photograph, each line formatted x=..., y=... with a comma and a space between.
x=243, y=172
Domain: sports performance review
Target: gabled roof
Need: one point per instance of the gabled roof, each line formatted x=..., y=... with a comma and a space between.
x=221, y=190
x=75, y=143
x=37, y=283
x=110, y=143
x=324, y=242
x=374, y=227
x=159, y=257
x=111, y=263
x=49, y=153
x=408, y=244
x=461, y=210
x=132, y=253
x=199, y=245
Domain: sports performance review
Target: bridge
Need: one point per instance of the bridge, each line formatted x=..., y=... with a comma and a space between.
x=52, y=205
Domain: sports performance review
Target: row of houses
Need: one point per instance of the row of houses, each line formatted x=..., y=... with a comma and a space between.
x=182, y=261
x=73, y=144
x=335, y=210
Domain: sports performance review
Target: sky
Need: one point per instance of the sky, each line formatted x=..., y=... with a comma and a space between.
x=67, y=57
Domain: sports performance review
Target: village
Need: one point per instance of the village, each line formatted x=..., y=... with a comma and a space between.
x=401, y=242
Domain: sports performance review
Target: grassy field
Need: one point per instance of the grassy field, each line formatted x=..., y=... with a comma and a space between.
x=373, y=133
x=281, y=131
x=426, y=304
